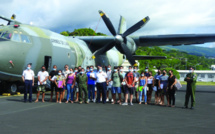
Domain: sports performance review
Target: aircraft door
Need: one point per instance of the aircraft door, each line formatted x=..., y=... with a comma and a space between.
x=47, y=63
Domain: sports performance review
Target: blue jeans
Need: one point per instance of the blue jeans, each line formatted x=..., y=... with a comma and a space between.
x=69, y=90
x=145, y=94
x=28, y=88
x=116, y=89
x=91, y=90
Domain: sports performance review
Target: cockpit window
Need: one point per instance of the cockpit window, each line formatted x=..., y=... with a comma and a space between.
x=16, y=37
x=6, y=35
x=25, y=38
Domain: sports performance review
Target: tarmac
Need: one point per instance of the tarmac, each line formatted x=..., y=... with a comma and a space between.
x=17, y=117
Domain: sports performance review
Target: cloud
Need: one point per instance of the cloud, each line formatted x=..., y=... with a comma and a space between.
x=166, y=17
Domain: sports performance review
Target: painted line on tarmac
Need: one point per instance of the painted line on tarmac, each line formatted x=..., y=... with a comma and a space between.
x=11, y=95
x=22, y=110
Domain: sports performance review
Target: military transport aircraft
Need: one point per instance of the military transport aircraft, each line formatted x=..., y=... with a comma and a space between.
x=21, y=44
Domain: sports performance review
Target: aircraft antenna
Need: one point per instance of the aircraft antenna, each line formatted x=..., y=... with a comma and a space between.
x=95, y=30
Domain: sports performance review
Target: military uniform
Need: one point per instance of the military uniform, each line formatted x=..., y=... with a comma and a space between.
x=82, y=84
x=191, y=89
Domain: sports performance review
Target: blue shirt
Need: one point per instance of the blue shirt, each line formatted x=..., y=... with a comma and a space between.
x=142, y=82
x=91, y=81
x=164, y=80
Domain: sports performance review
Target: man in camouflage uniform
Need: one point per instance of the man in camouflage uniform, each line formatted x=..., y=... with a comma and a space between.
x=82, y=84
x=191, y=88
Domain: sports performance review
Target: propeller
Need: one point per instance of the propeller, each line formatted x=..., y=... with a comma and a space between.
x=120, y=40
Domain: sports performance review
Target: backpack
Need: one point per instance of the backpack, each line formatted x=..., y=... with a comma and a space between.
x=120, y=77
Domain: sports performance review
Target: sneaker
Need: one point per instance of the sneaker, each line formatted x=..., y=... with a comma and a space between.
x=111, y=100
x=185, y=107
x=124, y=104
x=192, y=108
x=107, y=100
x=131, y=104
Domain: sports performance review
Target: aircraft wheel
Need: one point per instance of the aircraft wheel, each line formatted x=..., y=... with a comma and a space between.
x=12, y=88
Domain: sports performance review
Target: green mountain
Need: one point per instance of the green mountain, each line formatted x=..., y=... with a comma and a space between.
x=193, y=50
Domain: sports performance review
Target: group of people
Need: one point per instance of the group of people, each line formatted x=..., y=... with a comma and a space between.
x=94, y=85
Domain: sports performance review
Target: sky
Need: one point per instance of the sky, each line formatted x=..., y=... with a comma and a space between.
x=166, y=17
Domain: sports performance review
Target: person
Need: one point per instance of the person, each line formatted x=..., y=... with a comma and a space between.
x=65, y=73
x=146, y=72
x=52, y=84
x=130, y=80
x=70, y=84
x=59, y=82
x=163, y=86
x=142, y=88
x=123, y=84
x=42, y=77
x=110, y=83
x=171, y=88
x=156, y=84
x=101, y=78
x=87, y=69
x=150, y=84
x=147, y=75
x=76, y=85
x=117, y=78
x=28, y=79
x=191, y=88
x=82, y=85
x=137, y=75
x=91, y=84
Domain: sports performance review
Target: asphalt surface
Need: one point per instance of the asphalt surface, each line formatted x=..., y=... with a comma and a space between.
x=17, y=117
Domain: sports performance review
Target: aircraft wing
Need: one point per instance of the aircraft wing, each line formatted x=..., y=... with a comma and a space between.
x=175, y=40
x=141, y=57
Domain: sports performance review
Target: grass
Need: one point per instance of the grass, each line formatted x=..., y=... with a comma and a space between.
x=200, y=83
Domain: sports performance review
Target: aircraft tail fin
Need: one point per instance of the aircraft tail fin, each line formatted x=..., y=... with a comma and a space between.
x=122, y=25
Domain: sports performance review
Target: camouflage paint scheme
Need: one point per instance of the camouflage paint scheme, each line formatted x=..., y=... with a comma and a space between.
x=74, y=51
x=62, y=50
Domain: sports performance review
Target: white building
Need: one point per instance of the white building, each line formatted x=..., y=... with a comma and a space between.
x=202, y=75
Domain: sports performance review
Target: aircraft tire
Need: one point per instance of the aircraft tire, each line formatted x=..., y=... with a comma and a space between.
x=12, y=88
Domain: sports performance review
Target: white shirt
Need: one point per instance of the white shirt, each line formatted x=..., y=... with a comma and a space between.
x=101, y=77
x=109, y=77
x=65, y=73
x=42, y=76
x=28, y=74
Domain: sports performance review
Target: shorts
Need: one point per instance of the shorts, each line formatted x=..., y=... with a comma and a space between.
x=123, y=88
x=116, y=89
x=41, y=88
x=164, y=92
x=59, y=89
x=130, y=90
x=53, y=86
x=109, y=87
x=76, y=89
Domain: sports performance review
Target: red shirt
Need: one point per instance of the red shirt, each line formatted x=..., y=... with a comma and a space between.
x=130, y=78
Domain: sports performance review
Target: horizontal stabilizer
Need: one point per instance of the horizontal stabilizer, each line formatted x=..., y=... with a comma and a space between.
x=141, y=57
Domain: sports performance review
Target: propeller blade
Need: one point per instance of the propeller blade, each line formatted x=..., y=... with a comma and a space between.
x=128, y=54
x=136, y=26
x=107, y=22
x=104, y=49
